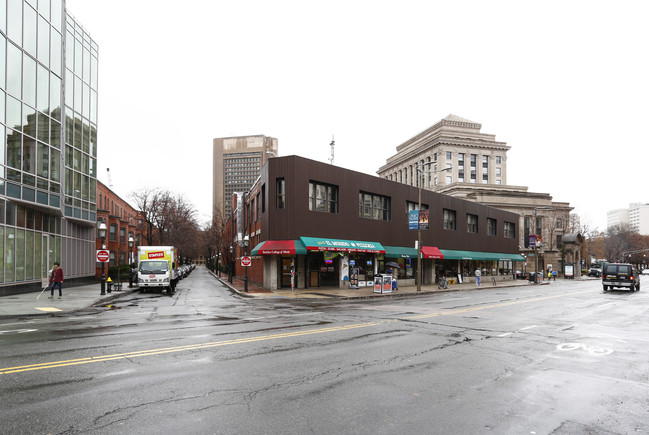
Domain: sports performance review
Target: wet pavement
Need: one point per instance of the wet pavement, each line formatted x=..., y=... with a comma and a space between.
x=81, y=297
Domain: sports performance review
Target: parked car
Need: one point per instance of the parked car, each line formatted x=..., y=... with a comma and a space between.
x=595, y=270
x=645, y=272
x=620, y=275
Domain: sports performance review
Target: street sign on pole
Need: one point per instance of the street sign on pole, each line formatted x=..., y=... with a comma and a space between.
x=246, y=261
x=103, y=255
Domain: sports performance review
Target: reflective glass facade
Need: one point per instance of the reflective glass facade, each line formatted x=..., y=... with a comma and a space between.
x=48, y=122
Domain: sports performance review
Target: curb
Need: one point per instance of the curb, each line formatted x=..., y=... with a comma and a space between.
x=373, y=296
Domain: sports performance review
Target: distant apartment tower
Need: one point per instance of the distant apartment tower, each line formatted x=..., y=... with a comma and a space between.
x=617, y=217
x=451, y=151
x=48, y=154
x=636, y=216
x=236, y=166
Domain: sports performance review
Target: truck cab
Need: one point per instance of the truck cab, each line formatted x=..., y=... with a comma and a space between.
x=157, y=268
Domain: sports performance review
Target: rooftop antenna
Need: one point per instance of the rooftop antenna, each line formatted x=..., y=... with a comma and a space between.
x=332, y=144
x=110, y=178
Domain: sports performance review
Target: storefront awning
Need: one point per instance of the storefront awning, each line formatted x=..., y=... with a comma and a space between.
x=316, y=244
x=400, y=252
x=279, y=247
x=488, y=256
x=431, y=252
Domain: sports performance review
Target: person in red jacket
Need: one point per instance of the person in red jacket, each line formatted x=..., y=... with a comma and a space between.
x=56, y=280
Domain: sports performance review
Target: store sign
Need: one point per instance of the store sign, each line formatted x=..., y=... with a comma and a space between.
x=418, y=219
x=413, y=219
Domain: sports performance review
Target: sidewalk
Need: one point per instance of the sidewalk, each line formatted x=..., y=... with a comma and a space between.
x=237, y=286
x=74, y=299
x=81, y=297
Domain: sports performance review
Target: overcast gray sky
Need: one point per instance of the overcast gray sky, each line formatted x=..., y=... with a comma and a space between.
x=564, y=83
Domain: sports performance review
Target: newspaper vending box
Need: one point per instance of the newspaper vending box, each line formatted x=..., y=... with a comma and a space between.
x=383, y=283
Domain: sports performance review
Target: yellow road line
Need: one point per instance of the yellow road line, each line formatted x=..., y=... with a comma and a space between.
x=151, y=352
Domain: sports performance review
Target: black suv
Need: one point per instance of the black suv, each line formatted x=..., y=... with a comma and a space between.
x=620, y=275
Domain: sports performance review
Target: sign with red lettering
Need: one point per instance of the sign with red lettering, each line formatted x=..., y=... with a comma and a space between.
x=246, y=261
x=103, y=255
x=155, y=254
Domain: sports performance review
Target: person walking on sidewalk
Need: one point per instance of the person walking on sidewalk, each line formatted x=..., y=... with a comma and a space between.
x=477, y=277
x=56, y=280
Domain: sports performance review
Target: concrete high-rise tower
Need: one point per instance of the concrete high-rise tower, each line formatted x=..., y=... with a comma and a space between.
x=237, y=164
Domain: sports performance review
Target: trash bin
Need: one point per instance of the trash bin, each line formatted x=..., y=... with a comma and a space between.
x=531, y=276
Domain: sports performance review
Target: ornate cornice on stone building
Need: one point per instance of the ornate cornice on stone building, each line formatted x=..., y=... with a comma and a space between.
x=451, y=132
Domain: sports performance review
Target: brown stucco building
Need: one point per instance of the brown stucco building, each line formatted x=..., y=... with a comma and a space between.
x=322, y=220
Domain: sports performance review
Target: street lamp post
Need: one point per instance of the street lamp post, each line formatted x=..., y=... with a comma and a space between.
x=420, y=183
x=102, y=236
x=231, y=264
x=246, y=241
x=536, y=252
x=131, y=243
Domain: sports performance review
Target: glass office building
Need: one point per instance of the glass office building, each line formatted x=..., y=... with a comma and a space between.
x=48, y=156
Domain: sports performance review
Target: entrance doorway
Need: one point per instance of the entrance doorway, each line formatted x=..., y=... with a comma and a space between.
x=285, y=279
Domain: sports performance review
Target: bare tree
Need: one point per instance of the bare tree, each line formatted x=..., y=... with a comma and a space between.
x=619, y=239
x=557, y=223
x=146, y=201
x=170, y=220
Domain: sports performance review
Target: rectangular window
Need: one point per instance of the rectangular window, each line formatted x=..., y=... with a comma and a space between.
x=498, y=171
x=113, y=233
x=450, y=220
x=498, y=160
x=281, y=193
x=122, y=235
x=472, y=223
x=263, y=198
x=372, y=206
x=510, y=230
x=415, y=206
x=492, y=227
x=257, y=205
x=323, y=197
x=449, y=155
x=559, y=224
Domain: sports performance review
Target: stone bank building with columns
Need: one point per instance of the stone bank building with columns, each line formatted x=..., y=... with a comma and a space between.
x=455, y=158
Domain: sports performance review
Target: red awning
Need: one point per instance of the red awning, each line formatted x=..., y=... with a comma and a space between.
x=431, y=252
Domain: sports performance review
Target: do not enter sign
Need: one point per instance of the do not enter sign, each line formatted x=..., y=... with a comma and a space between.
x=246, y=261
x=103, y=256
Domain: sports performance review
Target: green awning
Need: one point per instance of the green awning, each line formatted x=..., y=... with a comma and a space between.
x=472, y=255
x=279, y=247
x=400, y=252
x=316, y=244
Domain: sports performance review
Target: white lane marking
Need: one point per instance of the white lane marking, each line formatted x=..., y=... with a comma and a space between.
x=17, y=331
x=518, y=330
x=16, y=323
x=453, y=299
x=280, y=315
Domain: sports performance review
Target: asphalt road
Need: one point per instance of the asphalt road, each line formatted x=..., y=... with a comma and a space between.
x=559, y=359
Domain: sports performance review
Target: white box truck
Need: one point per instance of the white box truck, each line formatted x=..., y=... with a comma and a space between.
x=157, y=268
